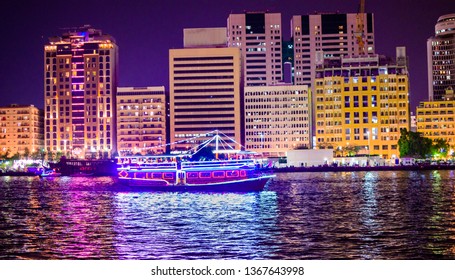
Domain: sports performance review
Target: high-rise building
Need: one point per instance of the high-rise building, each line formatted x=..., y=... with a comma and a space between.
x=277, y=119
x=362, y=102
x=441, y=58
x=21, y=129
x=204, y=92
x=80, y=84
x=258, y=35
x=321, y=36
x=141, y=120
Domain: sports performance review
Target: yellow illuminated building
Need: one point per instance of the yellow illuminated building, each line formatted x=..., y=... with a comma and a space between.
x=436, y=119
x=362, y=102
x=21, y=128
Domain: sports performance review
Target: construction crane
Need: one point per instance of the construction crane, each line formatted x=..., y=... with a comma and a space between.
x=360, y=27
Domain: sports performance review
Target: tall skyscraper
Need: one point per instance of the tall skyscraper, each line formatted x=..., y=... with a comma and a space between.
x=258, y=35
x=204, y=90
x=441, y=58
x=80, y=84
x=321, y=36
x=141, y=120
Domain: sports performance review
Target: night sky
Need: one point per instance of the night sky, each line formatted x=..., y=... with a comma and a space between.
x=146, y=30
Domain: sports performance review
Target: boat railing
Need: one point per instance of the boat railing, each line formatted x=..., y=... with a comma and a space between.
x=217, y=164
x=155, y=166
x=143, y=163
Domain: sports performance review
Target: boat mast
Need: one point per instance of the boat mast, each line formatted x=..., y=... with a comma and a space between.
x=216, y=144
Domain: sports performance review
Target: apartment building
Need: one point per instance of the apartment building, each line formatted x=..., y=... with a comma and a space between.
x=363, y=102
x=21, y=129
x=141, y=120
x=436, y=119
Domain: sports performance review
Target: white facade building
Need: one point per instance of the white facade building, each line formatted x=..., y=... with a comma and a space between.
x=277, y=119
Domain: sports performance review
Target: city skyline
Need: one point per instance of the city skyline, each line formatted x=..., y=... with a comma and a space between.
x=144, y=42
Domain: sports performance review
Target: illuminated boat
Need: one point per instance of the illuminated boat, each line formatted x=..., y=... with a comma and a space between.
x=235, y=172
x=50, y=173
x=220, y=175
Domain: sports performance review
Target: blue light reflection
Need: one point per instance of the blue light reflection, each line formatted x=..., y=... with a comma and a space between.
x=195, y=225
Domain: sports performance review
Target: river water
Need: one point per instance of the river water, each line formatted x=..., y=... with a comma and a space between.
x=324, y=216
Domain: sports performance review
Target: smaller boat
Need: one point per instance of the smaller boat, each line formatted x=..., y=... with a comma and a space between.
x=50, y=173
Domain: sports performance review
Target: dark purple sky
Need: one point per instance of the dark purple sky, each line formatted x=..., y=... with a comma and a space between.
x=146, y=30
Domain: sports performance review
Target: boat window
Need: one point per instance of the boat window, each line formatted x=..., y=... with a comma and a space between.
x=157, y=175
x=232, y=173
x=168, y=175
x=192, y=175
x=242, y=173
x=139, y=175
x=205, y=174
x=218, y=174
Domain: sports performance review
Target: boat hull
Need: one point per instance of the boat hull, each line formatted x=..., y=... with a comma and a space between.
x=246, y=185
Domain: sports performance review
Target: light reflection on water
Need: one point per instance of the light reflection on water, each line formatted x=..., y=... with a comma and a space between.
x=346, y=215
x=195, y=225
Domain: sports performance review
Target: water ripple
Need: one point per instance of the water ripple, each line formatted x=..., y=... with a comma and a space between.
x=346, y=215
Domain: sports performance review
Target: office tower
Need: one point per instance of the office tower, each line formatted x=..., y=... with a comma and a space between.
x=436, y=119
x=21, y=130
x=277, y=119
x=204, y=91
x=321, y=36
x=441, y=58
x=80, y=83
x=362, y=102
x=258, y=35
x=141, y=120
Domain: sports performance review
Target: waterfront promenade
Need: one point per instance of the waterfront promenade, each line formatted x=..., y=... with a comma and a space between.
x=328, y=168
x=323, y=168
